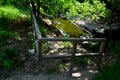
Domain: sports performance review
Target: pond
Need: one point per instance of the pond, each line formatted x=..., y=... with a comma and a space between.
x=68, y=27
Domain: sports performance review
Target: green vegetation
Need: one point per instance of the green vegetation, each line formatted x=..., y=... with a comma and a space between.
x=11, y=11
x=112, y=5
x=81, y=61
x=6, y=36
x=45, y=47
x=110, y=72
x=16, y=3
x=56, y=67
x=89, y=9
x=68, y=27
x=51, y=69
x=10, y=59
x=8, y=14
x=114, y=47
x=67, y=44
x=63, y=67
x=112, y=69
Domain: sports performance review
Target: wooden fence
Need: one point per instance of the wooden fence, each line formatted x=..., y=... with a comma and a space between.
x=39, y=40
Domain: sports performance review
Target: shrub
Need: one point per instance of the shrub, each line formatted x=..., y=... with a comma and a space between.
x=92, y=9
x=9, y=59
x=17, y=3
x=114, y=47
x=110, y=72
x=10, y=13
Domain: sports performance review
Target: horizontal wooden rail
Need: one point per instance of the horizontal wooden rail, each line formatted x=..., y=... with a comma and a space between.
x=69, y=55
x=34, y=24
x=71, y=39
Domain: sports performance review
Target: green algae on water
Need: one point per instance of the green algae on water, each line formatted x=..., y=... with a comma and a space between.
x=68, y=27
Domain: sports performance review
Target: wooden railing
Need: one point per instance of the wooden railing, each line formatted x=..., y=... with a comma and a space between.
x=39, y=40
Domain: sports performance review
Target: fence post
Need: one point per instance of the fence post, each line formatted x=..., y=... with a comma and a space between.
x=102, y=45
x=72, y=57
x=39, y=54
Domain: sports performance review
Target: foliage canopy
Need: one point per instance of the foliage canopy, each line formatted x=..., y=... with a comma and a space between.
x=17, y=3
x=93, y=9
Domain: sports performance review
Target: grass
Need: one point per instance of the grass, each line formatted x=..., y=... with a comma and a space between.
x=12, y=13
x=51, y=69
x=81, y=61
x=110, y=72
x=8, y=15
x=6, y=36
x=9, y=59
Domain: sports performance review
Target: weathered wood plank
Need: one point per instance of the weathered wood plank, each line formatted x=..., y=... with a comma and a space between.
x=69, y=55
x=72, y=39
x=36, y=27
x=72, y=57
x=100, y=55
x=34, y=23
x=40, y=57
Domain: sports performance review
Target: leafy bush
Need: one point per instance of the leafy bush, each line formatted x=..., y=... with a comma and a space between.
x=74, y=8
x=7, y=15
x=114, y=47
x=17, y=3
x=10, y=13
x=9, y=59
x=110, y=72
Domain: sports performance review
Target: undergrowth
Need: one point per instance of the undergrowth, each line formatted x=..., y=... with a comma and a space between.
x=6, y=36
x=8, y=15
x=51, y=69
x=12, y=13
x=112, y=69
x=110, y=72
x=10, y=59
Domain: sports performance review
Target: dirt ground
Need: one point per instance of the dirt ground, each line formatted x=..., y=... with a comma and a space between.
x=29, y=69
x=29, y=72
